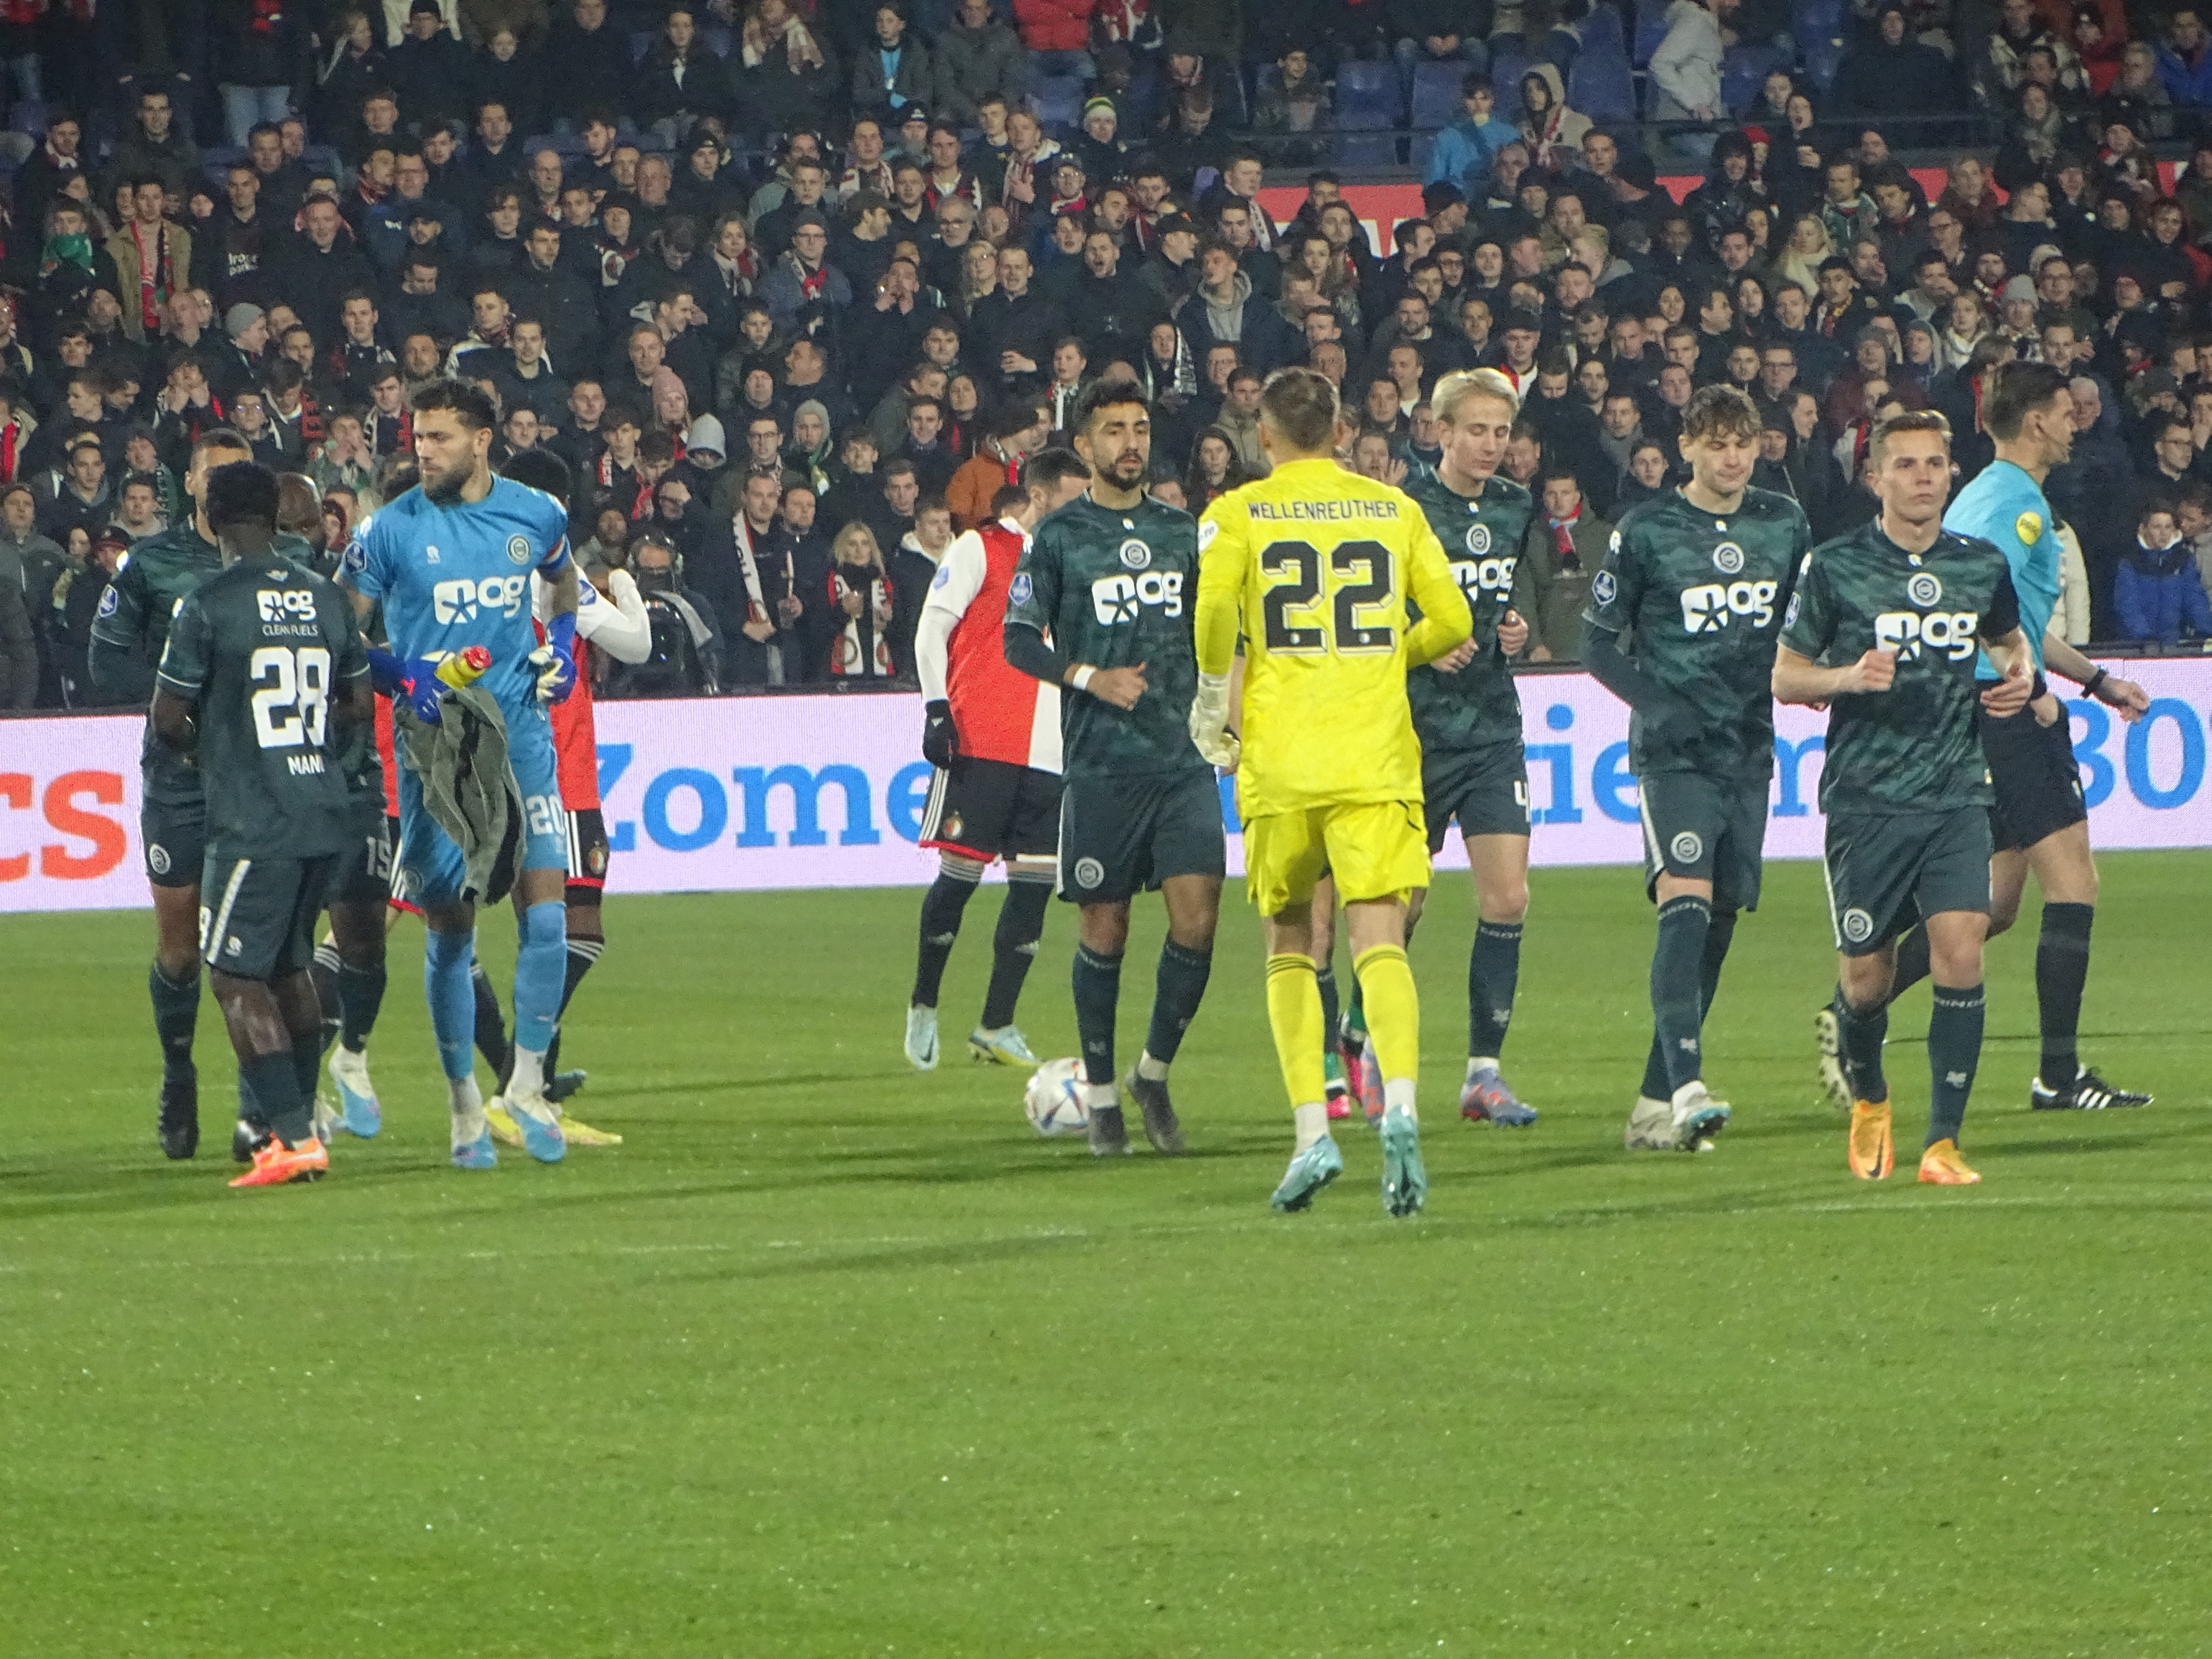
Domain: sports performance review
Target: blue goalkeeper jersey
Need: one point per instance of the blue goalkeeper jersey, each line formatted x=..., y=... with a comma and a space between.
x=451, y=577
x=2004, y=505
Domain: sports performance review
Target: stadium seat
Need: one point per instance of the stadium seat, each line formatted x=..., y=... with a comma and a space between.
x=1650, y=29
x=1205, y=180
x=1601, y=31
x=1058, y=100
x=1815, y=19
x=1743, y=71
x=28, y=117
x=1602, y=87
x=1366, y=96
x=721, y=39
x=1436, y=94
x=1823, y=58
x=1365, y=149
x=640, y=42
x=1509, y=62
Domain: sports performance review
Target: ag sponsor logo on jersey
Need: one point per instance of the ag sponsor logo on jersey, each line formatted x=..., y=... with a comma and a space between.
x=1709, y=607
x=276, y=604
x=1119, y=598
x=1943, y=633
x=1136, y=556
x=1728, y=559
x=1479, y=576
x=458, y=601
x=518, y=549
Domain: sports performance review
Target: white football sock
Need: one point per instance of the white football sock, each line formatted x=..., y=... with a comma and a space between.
x=1398, y=1096
x=1153, y=1070
x=1099, y=1096
x=528, y=1078
x=1313, y=1123
x=1476, y=1063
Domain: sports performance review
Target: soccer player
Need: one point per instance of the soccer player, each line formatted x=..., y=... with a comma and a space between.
x=1468, y=715
x=1701, y=574
x=451, y=560
x=261, y=669
x=1101, y=605
x=1905, y=786
x=992, y=733
x=2038, y=821
x=612, y=618
x=128, y=638
x=1315, y=565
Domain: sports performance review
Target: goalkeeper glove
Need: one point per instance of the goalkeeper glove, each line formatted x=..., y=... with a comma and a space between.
x=940, y=738
x=1209, y=722
x=555, y=662
x=413, y=682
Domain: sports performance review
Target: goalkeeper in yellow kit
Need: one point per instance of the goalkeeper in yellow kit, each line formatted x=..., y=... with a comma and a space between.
x=1314, y=566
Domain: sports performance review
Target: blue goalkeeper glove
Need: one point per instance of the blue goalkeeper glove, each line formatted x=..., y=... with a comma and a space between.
x=555, y=661
x=413, y=682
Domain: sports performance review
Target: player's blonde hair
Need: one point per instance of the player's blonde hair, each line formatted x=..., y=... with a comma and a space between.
x=1462, y=384
x=1913, y=420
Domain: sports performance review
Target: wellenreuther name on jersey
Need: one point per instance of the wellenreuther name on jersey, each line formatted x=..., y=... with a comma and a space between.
x=1322, y=510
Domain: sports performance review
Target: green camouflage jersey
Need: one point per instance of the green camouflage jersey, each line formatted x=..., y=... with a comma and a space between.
x=1916, y=747
x=1701, y=595
x=1477, y=708
x=265, y=648
x=1114, y=589
x=149, y=585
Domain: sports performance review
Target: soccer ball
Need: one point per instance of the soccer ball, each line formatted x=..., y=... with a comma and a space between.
x=1054, y=1099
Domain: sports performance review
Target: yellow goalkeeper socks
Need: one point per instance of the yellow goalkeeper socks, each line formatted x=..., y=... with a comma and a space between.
x=1393, y=1013
x=1294, y=1016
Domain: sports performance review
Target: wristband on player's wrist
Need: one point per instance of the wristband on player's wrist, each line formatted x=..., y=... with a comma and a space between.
x=2089, y=686
x=1080, y=679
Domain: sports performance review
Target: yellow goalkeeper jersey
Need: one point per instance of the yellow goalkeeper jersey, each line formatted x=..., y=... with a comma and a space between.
x=1315, y=565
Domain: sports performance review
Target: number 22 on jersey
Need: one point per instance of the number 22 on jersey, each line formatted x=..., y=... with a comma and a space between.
x=1358, y=618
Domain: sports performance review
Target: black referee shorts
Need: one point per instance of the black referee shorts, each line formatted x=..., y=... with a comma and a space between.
x=2031, y=771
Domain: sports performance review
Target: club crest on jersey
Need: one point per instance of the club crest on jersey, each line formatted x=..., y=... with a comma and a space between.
x=518, y=549
x=1602, y=587
x=1478, y=539
x=2027, y=527
x=1019, y=589
x=1136, y=556
x=944, y=576
x=1858, y=925
x=1728, y=558
x=1687, y=847
x=1922, y=589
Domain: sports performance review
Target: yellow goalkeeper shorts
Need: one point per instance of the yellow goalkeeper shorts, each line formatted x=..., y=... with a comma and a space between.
x=1373, y=850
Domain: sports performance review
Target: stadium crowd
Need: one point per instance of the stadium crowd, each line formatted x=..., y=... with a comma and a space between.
x=790, y=285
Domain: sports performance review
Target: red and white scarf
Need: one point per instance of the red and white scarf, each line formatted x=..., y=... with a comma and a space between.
x=858, y=653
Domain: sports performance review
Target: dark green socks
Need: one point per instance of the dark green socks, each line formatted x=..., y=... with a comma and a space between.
x=1098, y=984
x=1677, y=988
x=1862, y=1032
x=1493, y=973
x=1955, y=1049
x=176, y=1012
x=1176, y=996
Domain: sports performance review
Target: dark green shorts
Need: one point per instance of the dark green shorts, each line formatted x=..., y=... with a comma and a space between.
x=257, y=915
x=1486, y=789
x=1122, y=836
x=1885, y=873
x=1702, y=829
x=173, y=833
x=364, y=869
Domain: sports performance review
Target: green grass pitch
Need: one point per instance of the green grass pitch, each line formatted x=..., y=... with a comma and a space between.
x=834, y=1359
